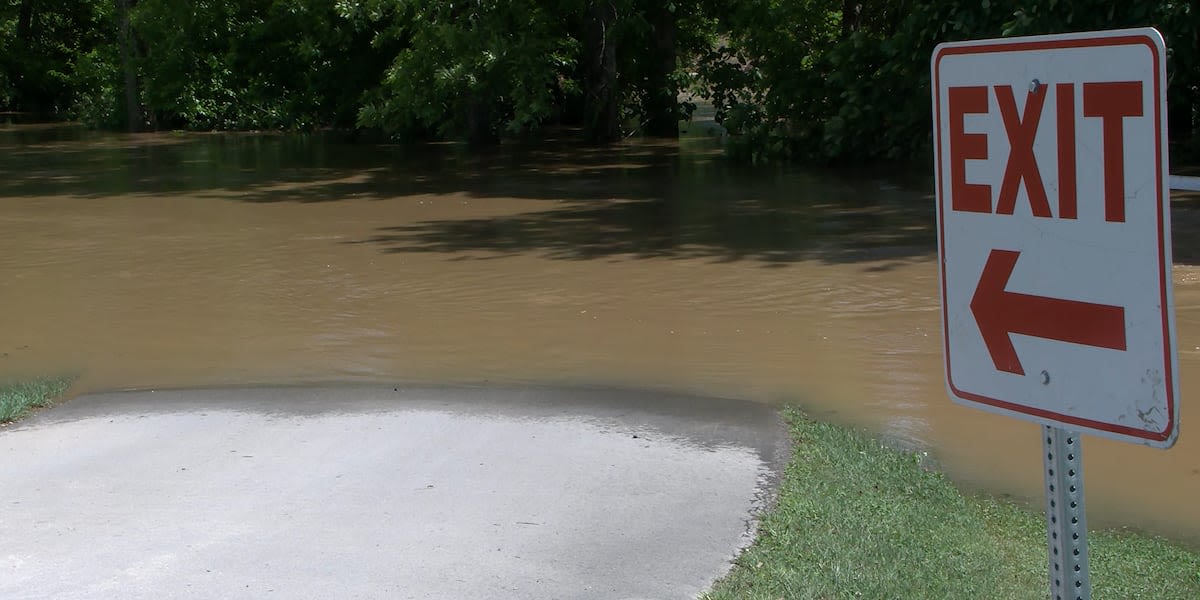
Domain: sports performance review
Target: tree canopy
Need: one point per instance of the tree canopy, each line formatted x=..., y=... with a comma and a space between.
x=812, y=80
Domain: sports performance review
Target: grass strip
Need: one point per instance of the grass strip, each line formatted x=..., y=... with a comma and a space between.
x=857, y=520
x=18, y=399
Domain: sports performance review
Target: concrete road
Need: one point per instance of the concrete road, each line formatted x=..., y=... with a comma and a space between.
x=374, y=492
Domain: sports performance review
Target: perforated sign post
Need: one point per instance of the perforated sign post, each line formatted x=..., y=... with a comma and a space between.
x=1055, y=251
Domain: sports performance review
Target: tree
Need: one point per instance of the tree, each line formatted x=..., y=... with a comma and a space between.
x=250, y=64
x=515, y=64
x=849, y=81
x=49, y=54
x=661, y=100
x=602, y=98
x=133, y=111
x=475, y=69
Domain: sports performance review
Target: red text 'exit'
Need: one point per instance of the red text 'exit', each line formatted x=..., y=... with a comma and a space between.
x=1111, y=102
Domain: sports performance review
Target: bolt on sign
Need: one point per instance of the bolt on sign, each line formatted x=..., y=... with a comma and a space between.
x=1054, y=231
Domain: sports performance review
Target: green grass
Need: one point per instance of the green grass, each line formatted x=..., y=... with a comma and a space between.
x=857, y=520
x=18, y=399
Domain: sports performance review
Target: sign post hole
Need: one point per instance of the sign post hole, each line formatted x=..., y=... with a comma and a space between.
x=1066, y=525
x=1054, y=248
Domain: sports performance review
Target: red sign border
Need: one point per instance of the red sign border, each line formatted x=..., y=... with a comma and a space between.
x=1119, y=38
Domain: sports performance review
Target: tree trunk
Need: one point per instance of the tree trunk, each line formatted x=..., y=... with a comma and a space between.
x=1181, y=122
x=25, y=20
x=851, y=13
x=479, y=123
x=133, y=110
x=602, y=124
x=661, y=104
x=27, y=83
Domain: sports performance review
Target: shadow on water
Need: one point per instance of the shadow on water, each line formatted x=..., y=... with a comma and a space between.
x=671, y=227
x=643, y=199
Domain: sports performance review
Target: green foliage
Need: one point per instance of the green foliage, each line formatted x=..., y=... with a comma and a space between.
x=251, y=64
x=499, y=62
x=97, y=100
x=53, y=64
x=688, y=29
x=763, y=81
x=409, y=67
x=797, y=81
x=816, y=80
x=517, y=64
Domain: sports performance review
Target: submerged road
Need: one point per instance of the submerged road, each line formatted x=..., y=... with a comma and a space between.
x=382, y=492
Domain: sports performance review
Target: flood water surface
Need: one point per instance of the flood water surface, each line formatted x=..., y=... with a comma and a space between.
x=196, y=260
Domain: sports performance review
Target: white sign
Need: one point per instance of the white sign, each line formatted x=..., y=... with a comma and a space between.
x=1054, y=231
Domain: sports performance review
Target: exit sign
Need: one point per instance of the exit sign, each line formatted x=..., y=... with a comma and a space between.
x=1054, y=232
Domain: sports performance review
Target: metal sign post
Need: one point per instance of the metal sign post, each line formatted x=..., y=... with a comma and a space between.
x=1066, y=525
x=1054, y=250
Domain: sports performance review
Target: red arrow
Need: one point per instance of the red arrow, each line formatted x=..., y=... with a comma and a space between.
x=1000, y=313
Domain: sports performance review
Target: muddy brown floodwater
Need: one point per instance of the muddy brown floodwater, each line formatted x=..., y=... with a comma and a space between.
x=172, y=260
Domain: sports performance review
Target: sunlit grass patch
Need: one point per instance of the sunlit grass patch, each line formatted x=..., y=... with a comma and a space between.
x=857, y=520
x=18, y=399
